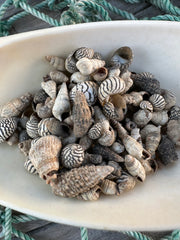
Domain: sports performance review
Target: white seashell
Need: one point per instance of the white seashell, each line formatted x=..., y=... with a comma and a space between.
x=142, y=117
x=58, y=77
x=158, y=102
x=32, y=126
x=77, y=77
x=149, y=128
x=56, y=62
x=126, y=76
x=160, y=118
x=50, y=88
x=87, y=66
x=113, y=72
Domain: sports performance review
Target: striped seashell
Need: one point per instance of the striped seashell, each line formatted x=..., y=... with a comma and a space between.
x=56, y=62
x=58, y=77
x=40, y=97
x=70, y=63
x=125, y=182
x=87, y=66
x=7, y=128
x=89, y=89
x=110, y=86
x=97, y=55
x=50, y=88
x=84, y=52
x=95, y=131
x=32, y=126
x=169, y=98
x=146, y=105
x=92, y=195
x=174, y=113
x=109, y=110
x=108, y=187
x=77, y=77
x=30, y=167
x=158, y=102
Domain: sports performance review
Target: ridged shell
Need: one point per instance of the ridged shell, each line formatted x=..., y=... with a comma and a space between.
x=16, y=106
x=109, y=110
x=108, y=187
x=25, y=146
x=149, y=128
x=174, y=113
x=58, y=77
x=173, y=131
x=146, y=105
x=70, y=63
x=169, y=98
x=89, y=89
x=100, y=74
x=92, y=195
x=56, y=62
x=152, y=142
x=117, y=147
x=158, y=102
x=72, y=156
x=50, y=88
x=81, y=115
x=87, y=66
x=125, y=183
x=32, y=126
x=45, y=110
x=77, y=77
x=142, y=117
x=95, y=131
x=110, y=86
x=40, y=96
x=93, y=158
x=79, y=180
x=84, y=52
x=7, y=128
x=159, y=118
x=44, y=156
x=30, y=167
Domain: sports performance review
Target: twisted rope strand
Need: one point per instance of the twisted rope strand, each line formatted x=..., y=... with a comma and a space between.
x=21, y=235
x=137, y=235
x=23, y=218
x=166, y=6
x=84, y=233
x=7, y=224
x=175, y=235
x=4, y=7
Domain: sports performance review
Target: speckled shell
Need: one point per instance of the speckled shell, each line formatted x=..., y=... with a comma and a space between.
x=7, y=128
x=125, y=182
x=72, y=156
x=77, y=77
x=160, y=118
x=44, y=156
x=87, y=66
x=45, y=110
x=16, y=106
x=95, y=131
x=32, y=126
x=97, y=55
x=50, y=88
x=92, y=195
x=135, y=168
x=108, y=87
x=89, y=89
x=84, y=52
x=152, y=142
x=166, y=151
x=58, y=77
x=56, y=62
x=142, y=117
x=100, y=74
x=158, y=102
x=108, y=187
x=81, y=115
x=174, y=113
x=146, y=82
x=25, y=147
x=117, y=147
x=70, y=63
x=149, y=128
x=169, y=98
x=108, y=137
x=40, y=96
x=146, y=105
x=173, y=131
x=85, y=142
x=93, y=158
x=30, y=167
x=79, y=180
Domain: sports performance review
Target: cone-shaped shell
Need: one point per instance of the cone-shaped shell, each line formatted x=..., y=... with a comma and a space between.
x=87, y=66
x=58, y=77
x=108, y=187
x=50, y=88
x=173, y=131
x=91, y=195
x=125, y=182
x=56, y=62
x=70, y=63
x=7, y=128
x=79, y=180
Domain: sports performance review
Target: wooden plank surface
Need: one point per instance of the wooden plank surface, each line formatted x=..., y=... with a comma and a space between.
x=44, y=230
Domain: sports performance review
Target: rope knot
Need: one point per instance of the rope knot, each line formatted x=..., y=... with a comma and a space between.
x=17, y=3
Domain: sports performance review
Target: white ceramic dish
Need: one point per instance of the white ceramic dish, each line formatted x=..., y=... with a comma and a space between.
x=153, y=205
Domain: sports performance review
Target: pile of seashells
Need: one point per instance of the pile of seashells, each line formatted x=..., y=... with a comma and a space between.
x=93, y=127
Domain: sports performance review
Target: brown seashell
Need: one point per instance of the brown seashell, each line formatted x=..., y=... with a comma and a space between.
x=58, y=77
x=16, y=106
x=40, y=96
x=87, y=66
x=81, y=115
x=13, y=139
x=146, y=105
x=125, y=183
x=77, y=77
x=32, y=126
x=169, y=98
x=91, y=195
x=84, y=52
x=79, y=180
x=7, y=128
x=108, y=187
x=158, y=102
x=50, y=88
x=92, y=158
x=44, y=156
x=56, y=62
x=152, y=142
x=173, y=131
x=25, y=146
x=174, y=113
x=160, y=118
x=45, y=110
x=142, y=117
x=100, y=74
x=85, y=142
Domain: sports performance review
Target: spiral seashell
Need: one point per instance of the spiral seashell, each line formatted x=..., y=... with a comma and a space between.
x=79, y=180
x=87, y=66
x=7, y=128
x=113, y=72
x=85, y=142
x=50, y=88
x=135, y=168
x=84, y=52
x=160, y=118
x=44, y=155
x=117, y=147
x=45, y=110
x=77, y=77
x=146, y=105
x=32, y=126
x=25, y=146
x=23, y=136
x=149, y=128
x=173, y=131
x=108, y=187
x=108, y=87
x=56, y=62
x=16, y=106
x=92, y=158
x=129, y=125
x=125, y=183
x=169, y=98
x=72, y=156
x=158, y=102
x=40, y=96
x=58, y=77
x=174, y=113
x=97, y=55
x=95, y=131
x=89, y=89
x=70, y=63
x=30, y=167
x=142, y=117
x=91, y=195
x=108, y=137
x=109, y=110
x=152, y=142
x=13, y=139
x=100, y=74
x=62, y=103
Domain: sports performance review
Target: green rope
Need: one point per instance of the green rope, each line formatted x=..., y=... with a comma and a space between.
x=7, y=224
x=84, y=233
x=166, y=6
x=175, y=235
x=4, y=7
x=21, y=235
x=137, y=235
x=23, y=218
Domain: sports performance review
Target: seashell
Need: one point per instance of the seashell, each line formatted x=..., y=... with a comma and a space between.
x=56, y=62
x=146, y=105
x=85, y=142
x=160, y=118
x=117, y=169
x=7, y=128
x=89, y=89
x=91, y=195
x=70, y=63
x=150, y=165
x=113, y=72
x=169, y=98
x=146, y=82
x=16, y=106
x=40, y=96
x=173, y=131
x=32, y=126
x=87, y=66
x=166, y=151
x=95, y=131
x=174, y=113
x=126, y=76
x=23, y=121
x=135, y=133
x=69, y=140
x=30, y=167
x=135, y=168
x=158, y=102
x=84, y=52
x=81, y=115
x=45, y=110
x=25, y=146
x=106, y=153
x=72, y=156
x=51, y=126
x=117, y=147
x=62, y=103
x=46, y=78
x=108, y=137
x=69, y=121
x=13, y=139
x=77, y=77
x=100, y=74
x=129, y=125
x=109, y=111
x=122, y=58
x=142, y=117
x=23, y=136
x=58, y=77
x=134, y=98
x=99, y=117
x=44, y=156
x=125, y=183
x=108, y=187
x=50, y=88
x=97, y=55
x=79, y=180
x=149, y=128
x=93, y=158
x=108, y=87
x=152, y=142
